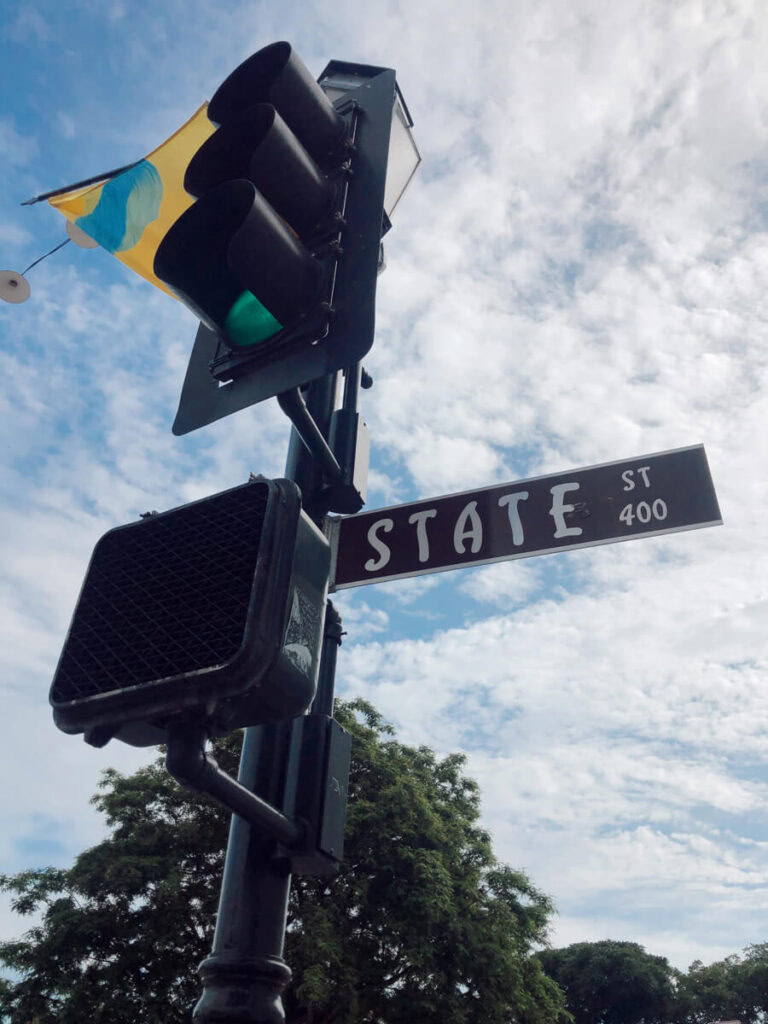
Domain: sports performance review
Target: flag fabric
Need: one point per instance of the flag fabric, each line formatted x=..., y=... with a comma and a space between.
x=130, y=213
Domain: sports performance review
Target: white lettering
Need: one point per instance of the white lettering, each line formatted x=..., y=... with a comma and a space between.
x=420, y=519
x=627, y=515
x=468, y=525
x=378, y=544
x=559, y=510
x=628, y=474
x=643, y=512
x=511, y=501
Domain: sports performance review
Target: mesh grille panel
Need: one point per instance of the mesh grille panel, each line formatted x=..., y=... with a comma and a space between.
x=166, y=596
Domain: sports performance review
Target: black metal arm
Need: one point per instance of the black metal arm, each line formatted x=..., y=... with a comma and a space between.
x=189, y=763
x=295, y=408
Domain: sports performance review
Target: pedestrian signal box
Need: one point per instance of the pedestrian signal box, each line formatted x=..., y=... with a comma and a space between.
x=211, y=612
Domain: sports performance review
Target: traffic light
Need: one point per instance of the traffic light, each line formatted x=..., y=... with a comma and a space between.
x=239, y=256
x=212, y=612
x=279, y=253
x=264, y=214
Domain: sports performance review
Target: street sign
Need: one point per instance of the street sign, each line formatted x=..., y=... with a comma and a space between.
x=643, y=497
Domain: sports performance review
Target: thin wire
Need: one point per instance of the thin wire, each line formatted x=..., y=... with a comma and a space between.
x=56, y=249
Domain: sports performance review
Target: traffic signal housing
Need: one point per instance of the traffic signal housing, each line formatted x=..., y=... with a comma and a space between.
x=263, y=213
x=211, y=612
x=279, y=254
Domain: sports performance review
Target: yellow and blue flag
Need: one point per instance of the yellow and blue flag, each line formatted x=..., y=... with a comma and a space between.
x=130, y=213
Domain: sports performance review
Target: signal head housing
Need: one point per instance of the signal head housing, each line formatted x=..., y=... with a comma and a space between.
x=212, y=612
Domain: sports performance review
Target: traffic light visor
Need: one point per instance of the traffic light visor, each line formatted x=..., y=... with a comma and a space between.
x=277, y=75
x=258, y=145
x=236, y=264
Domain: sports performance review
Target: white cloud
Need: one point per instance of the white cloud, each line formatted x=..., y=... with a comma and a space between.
x=505, y=584
x=359, y=618
x=16, y=149
x=13, y=234
x=30, y=25
x=405, y=592
x=66, y=125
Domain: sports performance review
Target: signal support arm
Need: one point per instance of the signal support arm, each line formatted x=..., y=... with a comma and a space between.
x=189, y=763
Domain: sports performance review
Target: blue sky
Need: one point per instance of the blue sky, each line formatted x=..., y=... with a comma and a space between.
x=577, y=275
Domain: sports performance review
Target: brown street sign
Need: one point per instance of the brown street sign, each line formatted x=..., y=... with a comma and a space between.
x=642, y=497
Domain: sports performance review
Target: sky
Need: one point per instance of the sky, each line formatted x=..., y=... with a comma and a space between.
x=577, y=275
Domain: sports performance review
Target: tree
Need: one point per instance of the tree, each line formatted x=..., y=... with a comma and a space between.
x=753, y=975
x=421, y=924
x=711, y=992
x=612, y=982
x=732, y=989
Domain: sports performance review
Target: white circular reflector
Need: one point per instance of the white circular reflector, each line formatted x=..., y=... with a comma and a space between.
x=13, y=287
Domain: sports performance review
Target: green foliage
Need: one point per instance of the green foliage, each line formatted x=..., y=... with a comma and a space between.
x=619, y=983
x=122, y=927
x=422, y=923
x=732, y=989
x=612, y=982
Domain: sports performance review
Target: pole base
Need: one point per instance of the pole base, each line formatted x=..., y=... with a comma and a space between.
x=242, y=991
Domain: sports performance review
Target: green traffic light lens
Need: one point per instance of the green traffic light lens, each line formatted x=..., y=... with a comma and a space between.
x=248, y=322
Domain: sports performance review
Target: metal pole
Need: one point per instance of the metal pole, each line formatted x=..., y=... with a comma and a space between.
x=323, y=702
x=245, y=975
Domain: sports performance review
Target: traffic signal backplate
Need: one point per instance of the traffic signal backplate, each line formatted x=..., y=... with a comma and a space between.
x=336, y=340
